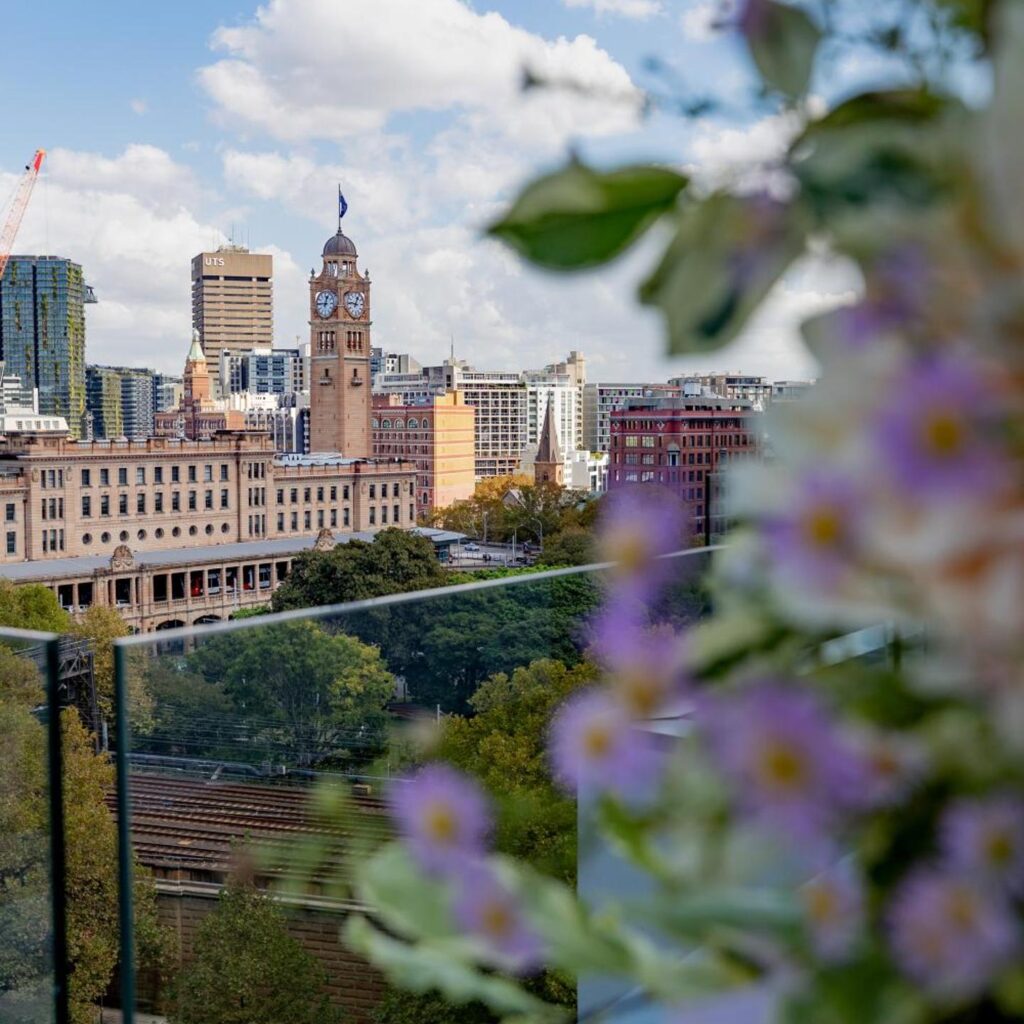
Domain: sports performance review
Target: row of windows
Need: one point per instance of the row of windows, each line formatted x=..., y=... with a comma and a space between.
x=396, y=513
x=158, y=502
x=158, y=474
x=701, y=423
x=321, y=522
x=123, y=536
x=307, y=493
x=688, y=440
x=52, y=508
x=399, y=424
x=673, y=459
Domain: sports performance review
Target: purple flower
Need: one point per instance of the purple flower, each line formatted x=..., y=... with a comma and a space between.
x=893, y=765
x=638, y=525
x=443, y=817
x=933, y=434
x=643, y=664
x=484, y=908
x=817, y=536
x=596, y=746
x=834, y=911
x=788, y=762
x=985, y=839
x=949, y=934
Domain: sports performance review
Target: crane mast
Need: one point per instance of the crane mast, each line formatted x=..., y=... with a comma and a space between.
x=18, y=207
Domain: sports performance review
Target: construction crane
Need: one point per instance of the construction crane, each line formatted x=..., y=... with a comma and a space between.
x=21, y=197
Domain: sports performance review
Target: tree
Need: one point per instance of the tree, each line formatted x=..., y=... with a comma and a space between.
x=32, y=606
x=91, y=848
x=394, y=562
x=300, y=690
x=571, y=546
x=247, y=969
x=504, y=746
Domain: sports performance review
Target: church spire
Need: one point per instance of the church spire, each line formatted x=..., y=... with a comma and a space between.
x=549, y=466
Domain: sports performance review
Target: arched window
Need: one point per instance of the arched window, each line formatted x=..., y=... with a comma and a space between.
x=413, y=423
x=399, y=424
x=386, y=424
x=375, y=423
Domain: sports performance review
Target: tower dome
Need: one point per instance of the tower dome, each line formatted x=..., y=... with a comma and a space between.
x=339, y=245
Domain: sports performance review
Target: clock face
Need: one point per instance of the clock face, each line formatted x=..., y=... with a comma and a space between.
x=326, y=303
x=354, y=303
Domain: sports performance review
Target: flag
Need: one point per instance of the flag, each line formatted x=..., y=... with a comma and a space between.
x=342, y=205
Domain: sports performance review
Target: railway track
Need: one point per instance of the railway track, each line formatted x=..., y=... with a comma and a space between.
x=199, y=827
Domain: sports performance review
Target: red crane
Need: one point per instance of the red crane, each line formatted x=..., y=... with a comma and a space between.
x=21, y=198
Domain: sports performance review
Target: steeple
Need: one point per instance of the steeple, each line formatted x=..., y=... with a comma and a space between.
x=196, y=378
x=549, y=467
x=195, y=352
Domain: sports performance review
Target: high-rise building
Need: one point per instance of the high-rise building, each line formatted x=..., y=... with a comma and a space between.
x=167, y=391
x=42, y=333
x=339, y=325
x=119, y=400
x=600, y=400
x=137, y=402
x=263, y=371
x=232, y=303
x=562, y=395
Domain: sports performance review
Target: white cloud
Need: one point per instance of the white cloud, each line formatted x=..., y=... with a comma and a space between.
x=702, y=21
x=113, y=216
x=640, y=9
x=306, y=69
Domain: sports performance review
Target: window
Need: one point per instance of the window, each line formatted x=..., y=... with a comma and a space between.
x=344, y=492
x=192, y=501
x=105, y=537
x=140, y=504
x=86, y=478
x=223, y=471
x=175, y=501
x=306, y=493
x=373, y=516
x=320, y=519
x=373, y=491
x=12, y=543
x=104, y=504
x=397, y=513
x=158, y=474
x=345, y=516
x=319, y=494
x=140, y=475
x=224, y=502
x=208, y=500
x=280, y=495
x=207, y=474
x=295, y=521
x=295, y=495
x=191, y=474
x=9, y=512
x=122, y=504
x=122, y=476
x=307, y=521
x=175, y=474
x=648, y=440
x=280, y=522
x=334, y=518
x=334, y=494
x=383, y=515
x=104, y=478
x=412, y=513
x=158, y=501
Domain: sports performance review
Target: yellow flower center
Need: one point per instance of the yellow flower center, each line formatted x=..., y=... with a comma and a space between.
x=963, y=910
x=440, y=822
x=597, y=740
x=628, y=549
x=823, y=527
x=822, y=903
x=1000, y=847
x=943, y=434
x=641, y=692
x=496, y=920
x=781, y=767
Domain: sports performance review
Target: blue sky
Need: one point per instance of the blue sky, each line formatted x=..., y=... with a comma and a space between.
x=170, y=125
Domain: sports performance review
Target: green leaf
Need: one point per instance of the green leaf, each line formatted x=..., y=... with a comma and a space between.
x=578, y=217
x=762, y=910
x=783, y=41
x=727, y=253
x=427, y=966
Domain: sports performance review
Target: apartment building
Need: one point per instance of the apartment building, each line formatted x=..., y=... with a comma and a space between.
x=61, y=498
x=438, y=436
x=601, y=400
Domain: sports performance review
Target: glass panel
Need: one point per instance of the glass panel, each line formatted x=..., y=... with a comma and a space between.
x=32, y=933
x=233, y=725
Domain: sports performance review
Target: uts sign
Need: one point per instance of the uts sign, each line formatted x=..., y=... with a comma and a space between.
x=213, y=261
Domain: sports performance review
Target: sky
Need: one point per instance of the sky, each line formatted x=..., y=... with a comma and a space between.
x=172, y=128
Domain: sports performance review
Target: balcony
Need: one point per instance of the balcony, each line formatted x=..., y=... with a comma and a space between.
x=223, y=740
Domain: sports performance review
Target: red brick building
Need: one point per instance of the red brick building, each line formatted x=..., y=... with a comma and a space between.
x=680, y=444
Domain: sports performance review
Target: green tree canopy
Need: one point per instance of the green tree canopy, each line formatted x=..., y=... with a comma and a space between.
x=247, y=969
x=394, y=562
x=300, y=690
x=32, y=606
x=504, y=746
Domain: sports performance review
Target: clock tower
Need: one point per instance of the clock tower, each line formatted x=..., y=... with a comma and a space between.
x=339, y=325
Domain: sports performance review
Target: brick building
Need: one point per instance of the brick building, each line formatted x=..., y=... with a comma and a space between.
x=438, y=435
x=680, y=443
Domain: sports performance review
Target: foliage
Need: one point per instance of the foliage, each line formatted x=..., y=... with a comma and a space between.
x=571, y=546
x=302, y=692
x=395, y=561
x=842, y=830
x=246, y=969
x=91, y=848
x=32, y=606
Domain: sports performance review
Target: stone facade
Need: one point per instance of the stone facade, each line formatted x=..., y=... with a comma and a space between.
x=438, y=436
x=61, y=498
